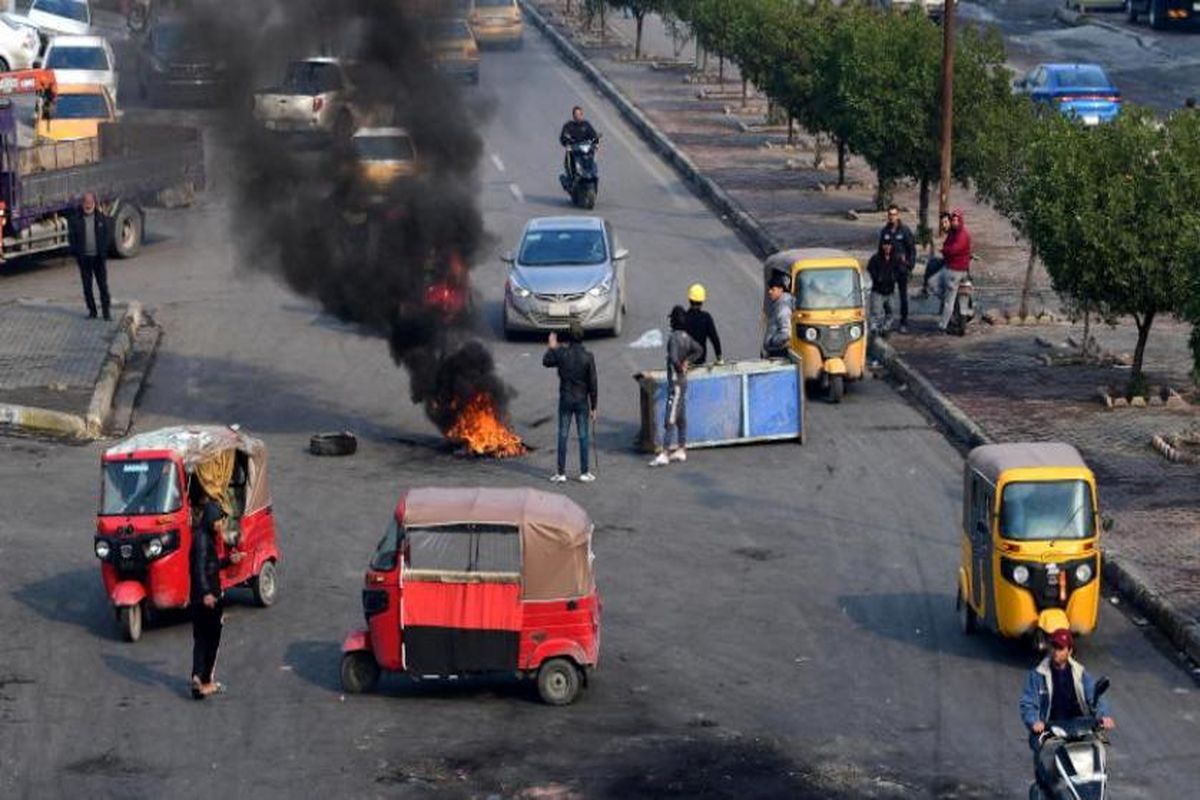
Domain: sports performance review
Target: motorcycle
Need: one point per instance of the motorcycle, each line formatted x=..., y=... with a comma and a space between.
x=583, y=180
x=964, y=307
x=1077, y=766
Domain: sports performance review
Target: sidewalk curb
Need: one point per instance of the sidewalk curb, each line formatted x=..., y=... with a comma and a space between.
x=1183, y=632
x=1077, y=19
x=41, y=421
x=730, y=210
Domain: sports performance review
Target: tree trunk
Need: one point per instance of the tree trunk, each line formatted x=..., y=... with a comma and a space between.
x=697, y=42
x=637, y=42
x=1027, y=287
x=791, y=130
x=721, y=69
x=841, y=148
x=568, y=8
x=1087, y=327
x=883, y=192
x=923, y=210
x=745, y=81
x=1143, y=328
x=603, y=25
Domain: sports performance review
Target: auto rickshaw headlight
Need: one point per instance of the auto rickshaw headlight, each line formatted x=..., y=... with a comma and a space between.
x=855, y=332
x=1020, y=574
x=154, y=548
x=102, y=549
x=811, y=334
x=1083, y=573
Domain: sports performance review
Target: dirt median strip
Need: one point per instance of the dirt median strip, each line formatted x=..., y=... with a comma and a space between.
x=1181, y=630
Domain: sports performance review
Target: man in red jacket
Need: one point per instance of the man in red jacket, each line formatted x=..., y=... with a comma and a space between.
x=956, y=251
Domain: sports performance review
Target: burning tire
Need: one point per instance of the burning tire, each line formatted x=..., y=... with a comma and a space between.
x=333, y=444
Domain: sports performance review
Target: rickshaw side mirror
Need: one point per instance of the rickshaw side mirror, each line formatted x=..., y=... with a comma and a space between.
x=1107, y=523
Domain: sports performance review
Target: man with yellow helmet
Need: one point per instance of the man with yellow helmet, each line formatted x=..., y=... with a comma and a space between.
x=700, y=326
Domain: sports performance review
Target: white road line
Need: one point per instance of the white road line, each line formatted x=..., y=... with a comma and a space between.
x=497, y=163
x=516, y=192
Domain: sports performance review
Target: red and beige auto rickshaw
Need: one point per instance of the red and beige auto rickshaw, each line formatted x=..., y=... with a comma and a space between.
x=471, y=581
x=151, y=486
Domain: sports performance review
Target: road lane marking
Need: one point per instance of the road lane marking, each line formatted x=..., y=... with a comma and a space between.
x=499, y=165
x=516, y=192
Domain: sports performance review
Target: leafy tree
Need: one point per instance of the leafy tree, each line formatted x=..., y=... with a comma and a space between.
x=639, y=9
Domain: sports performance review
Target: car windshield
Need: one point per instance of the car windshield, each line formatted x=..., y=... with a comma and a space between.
x=383, y=148
x=311, y=77
x=1082, y=78
x=1046, y=510
x=71, y=9
x=173, y=39
x=80, y=106
x=384, y=559
x=827, y=288
x=559, y=248
x=140, y=487
x=92, y=58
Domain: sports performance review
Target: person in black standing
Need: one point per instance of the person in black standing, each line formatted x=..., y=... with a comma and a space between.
x=578, y=393
x=700, y=326
x=905, y=247
x=89, y=235
x=206, y=597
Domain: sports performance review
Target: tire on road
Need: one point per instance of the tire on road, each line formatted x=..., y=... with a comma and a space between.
x=837, y=388
x=966, y=615
x=618, y=321
x=127, y=231
x=131, y=620
x=360, y=672
x=558, y=682
x=265, y=585
x=343, y=443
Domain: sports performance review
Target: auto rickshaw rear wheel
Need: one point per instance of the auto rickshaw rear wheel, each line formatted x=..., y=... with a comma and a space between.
x=837, y=388
x=966, y=615
x=265, y=585
x=558, y=682
x=131, y=622
x=360, y=672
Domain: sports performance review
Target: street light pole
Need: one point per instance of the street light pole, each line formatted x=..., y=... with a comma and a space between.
x=947, y=103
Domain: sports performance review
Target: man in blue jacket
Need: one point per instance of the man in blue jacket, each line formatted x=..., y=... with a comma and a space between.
x=1059, y=689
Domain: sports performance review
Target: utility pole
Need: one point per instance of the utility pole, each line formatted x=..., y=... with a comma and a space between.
x=947, y=103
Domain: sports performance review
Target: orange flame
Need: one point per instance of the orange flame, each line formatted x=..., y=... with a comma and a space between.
x=481, y=431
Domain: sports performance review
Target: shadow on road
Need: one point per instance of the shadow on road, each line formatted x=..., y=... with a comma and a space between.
x=73, y=598
x=146, y=674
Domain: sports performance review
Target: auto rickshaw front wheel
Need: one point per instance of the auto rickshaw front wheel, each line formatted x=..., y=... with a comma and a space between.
x=558, y=682
x=265, y=585
x=837, y=388
x=360, y=672
x=131, y=619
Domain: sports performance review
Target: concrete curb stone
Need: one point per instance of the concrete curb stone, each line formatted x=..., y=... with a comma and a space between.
x=1183, y=632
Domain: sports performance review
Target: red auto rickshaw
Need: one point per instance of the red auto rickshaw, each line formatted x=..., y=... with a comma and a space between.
x=472, y=581
x=151, y=486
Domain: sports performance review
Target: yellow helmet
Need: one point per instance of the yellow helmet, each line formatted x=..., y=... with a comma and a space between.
x=696, y=293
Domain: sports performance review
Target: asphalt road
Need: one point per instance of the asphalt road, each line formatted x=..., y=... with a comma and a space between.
x=778, y=620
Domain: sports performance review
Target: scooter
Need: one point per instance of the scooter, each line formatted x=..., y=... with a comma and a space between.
x=585, y=181
x=1077, y=767
x=964, y=307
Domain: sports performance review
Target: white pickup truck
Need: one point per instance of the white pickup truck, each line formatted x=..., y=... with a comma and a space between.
x=316, y=96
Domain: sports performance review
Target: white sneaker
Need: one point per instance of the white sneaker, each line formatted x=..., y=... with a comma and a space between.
x=660, y=460
x=678, y=454
x=587, y=477
x=558, y=478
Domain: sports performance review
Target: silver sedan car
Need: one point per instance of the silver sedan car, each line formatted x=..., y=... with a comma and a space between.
x=566, y=269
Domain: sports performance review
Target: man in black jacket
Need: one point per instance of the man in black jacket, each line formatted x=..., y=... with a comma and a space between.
x=575, y=130
x=700, y=326
x=884, y=268
x=89, y=235
x=577, y=396
x=206, y=597
x=905, y=247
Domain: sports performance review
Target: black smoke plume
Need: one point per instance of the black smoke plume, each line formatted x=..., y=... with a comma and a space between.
x=379, y=265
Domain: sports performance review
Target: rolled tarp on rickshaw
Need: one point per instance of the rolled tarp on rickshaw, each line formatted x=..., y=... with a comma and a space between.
x=207, y=451
x=556, y=534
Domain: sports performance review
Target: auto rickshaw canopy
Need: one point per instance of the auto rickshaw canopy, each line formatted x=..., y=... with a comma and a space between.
x=786, y=262
x=208, y=452
x=992, y=460
x=556, y=534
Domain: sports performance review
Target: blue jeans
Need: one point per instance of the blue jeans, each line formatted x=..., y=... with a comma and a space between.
x=582, y=413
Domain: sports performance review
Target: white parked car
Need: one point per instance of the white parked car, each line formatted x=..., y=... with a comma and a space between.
x=82, y=59
x=315, y=97
x=19, y=44
x=61, y=16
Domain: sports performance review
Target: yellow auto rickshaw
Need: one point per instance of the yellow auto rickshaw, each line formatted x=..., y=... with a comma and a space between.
x=829, y=328
x=1030, y=545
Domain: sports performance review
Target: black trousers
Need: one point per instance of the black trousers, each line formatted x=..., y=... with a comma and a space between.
x=89, y=267
x=206, y=640
x=902, y=285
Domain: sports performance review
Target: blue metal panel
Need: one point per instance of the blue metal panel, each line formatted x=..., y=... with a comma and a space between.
x=774, y=401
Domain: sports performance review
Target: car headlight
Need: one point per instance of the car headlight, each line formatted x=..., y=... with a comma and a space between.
x=154, y=548
x=517, y=288
x=1083, y=573
x=602, y=288
x=1020, y=574
x=811, y=334
x=855, y=332
x=102, y=549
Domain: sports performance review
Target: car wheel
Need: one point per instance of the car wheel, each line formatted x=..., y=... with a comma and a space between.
x=966, y=615
x=265, y=585
x=1131, y=13
x=127, y=229
x=343, y=443
x=360, y=672
x=558, y=682
x=131, y=622
x=618, y=322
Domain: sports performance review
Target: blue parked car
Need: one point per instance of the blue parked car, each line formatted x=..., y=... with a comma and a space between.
x=1077, y=90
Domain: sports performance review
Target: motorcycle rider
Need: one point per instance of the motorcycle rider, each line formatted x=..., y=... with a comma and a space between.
x=1058, y=689
x=575, y=130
